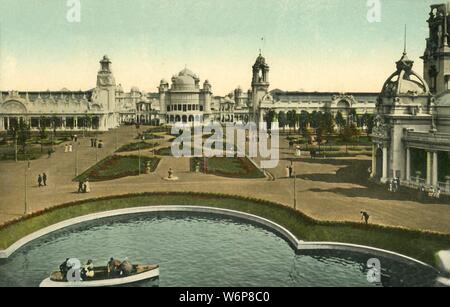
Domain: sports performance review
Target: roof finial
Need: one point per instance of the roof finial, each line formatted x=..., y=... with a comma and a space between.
x=260, y=49
x=405, y=41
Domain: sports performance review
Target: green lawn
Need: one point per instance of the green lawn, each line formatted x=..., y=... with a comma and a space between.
x=416, y=244
x=167, y=151
x=136, y=146
x=31, y=153
x=149, y=136
x=114, y=167
x=228, y=167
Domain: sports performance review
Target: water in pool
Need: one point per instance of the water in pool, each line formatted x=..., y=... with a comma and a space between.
x=201, y=250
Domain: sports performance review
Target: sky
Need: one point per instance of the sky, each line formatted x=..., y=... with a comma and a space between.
x=310, y=45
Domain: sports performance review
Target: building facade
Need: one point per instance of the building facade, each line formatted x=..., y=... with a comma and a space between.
x=412, y=134
x=183, y=101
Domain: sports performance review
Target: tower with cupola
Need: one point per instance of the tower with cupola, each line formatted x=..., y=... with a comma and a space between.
x=260, y=84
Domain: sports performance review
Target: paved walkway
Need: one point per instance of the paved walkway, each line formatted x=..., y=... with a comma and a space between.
x=326, y=189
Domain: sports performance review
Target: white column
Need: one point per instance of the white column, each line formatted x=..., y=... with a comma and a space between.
x=2, y=123
x=408, y=164
x=8, y=123
x=374, y=161
x=429, y=157
x=385, y=164
x=435, y=169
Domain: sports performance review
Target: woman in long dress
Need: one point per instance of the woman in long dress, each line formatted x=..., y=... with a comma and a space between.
x=87, y=186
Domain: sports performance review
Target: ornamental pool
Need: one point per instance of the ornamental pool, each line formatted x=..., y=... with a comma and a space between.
x=195, y=249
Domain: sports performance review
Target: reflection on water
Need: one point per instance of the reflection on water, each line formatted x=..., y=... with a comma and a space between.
x=201, y=250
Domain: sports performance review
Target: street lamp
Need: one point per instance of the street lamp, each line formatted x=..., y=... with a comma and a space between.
x=76, y=158
x=139, y=151
x=295, y=184
x=26, y=188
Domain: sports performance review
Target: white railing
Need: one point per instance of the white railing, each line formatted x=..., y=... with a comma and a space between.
x=444, y=186
x=417, y=182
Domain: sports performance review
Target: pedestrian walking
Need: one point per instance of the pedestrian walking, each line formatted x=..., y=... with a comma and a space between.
x=49, y=152
x=365, y=217
x=288, y=172
x=66, y=148
x=70, y=147
x=80, y=186
x=40, y=180
x=44, y=179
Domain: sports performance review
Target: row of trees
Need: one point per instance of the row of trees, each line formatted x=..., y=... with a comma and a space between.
x=320, y=120
x=324, y=124
x=20, y=130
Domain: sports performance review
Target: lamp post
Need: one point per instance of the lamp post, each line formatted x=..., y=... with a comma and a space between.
x=139, y=151
x=295, y=184
x=26, y=188
x=76, y=158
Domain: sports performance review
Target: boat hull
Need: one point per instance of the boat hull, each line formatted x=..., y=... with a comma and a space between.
x=114, y=282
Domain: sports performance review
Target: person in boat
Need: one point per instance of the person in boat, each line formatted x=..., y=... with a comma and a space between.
x=114, y=267
x=88, y=271
x=64, y=268
x=126, y=268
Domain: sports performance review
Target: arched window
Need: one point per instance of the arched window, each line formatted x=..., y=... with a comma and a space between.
x=201, y=108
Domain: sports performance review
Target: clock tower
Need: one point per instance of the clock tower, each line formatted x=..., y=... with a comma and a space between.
x=105, y=94
x=260, y=85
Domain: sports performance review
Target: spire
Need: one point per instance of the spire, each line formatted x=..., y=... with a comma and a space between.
x=405, y=63
x=405, y=41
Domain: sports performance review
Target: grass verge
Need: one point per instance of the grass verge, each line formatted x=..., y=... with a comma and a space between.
x=416, y=244
x=114, y=167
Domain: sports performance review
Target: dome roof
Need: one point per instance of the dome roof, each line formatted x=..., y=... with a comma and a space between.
x=405, y=81
x=135, y=89
x=185, y=80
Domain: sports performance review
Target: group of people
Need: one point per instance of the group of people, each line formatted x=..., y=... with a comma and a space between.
x=68, y=148
x=95, y=143
x=115, y=268
x=118, y=268
x=432, y=192
x=84, y=186
x=394, y=185
x=42, y=180
x=86, y=272
x=289, y=171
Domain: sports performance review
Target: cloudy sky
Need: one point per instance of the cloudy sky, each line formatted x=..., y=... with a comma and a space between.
x=311, y=45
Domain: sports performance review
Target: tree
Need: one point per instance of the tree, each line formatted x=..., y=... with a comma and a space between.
x=42, y=131
x=282, y=120
x=291, y=118
x=13, y=131
x=353, y=116
x=368, y=120
x=348, y=134
x=270, y=116
x=327, y=124
x=54, y=124
x=314, y=119
x=340, y=121
x=23, y=134
x=304, y=121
